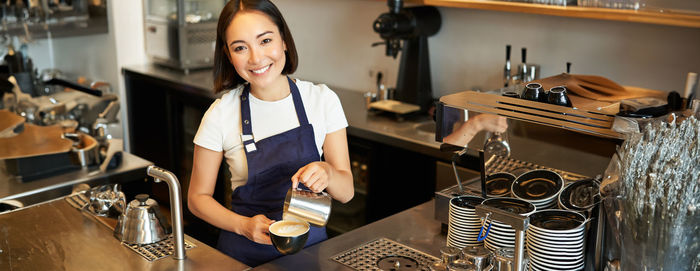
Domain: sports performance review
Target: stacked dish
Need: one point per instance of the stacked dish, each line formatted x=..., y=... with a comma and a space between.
x=580, y=196
x=556, y=240
x=502, y=235
x=463, y=226
x=499, y=184
x=539, y=187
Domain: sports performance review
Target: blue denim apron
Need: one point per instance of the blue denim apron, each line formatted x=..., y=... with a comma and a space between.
x=271, y=164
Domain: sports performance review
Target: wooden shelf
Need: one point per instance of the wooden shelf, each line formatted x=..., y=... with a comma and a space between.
x=666, y=17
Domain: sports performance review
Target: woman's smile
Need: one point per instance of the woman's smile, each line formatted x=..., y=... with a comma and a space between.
x=261, y=70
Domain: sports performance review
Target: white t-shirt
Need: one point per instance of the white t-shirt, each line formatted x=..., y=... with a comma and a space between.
x=220, y=129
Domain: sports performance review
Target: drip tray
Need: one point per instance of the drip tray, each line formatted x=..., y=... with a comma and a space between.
x=157, y=250
x=78, y=200
x=150, y=252
x=385, y=254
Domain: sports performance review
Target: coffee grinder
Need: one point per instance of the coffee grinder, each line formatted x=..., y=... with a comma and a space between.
x=413, y=26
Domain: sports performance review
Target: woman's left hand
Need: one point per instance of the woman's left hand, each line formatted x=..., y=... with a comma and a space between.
x=490, y=123
x=315, y=176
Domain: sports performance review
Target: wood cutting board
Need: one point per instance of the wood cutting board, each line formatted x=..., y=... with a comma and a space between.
x=394, y=106
x=597, y=88
x=34, y=141
x=9, y=121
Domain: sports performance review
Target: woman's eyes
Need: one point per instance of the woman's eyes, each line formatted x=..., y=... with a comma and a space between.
x=241, y=47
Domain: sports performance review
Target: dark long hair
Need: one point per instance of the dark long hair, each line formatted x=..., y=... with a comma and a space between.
x=225, y=75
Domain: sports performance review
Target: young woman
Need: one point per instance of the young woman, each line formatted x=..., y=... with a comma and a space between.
x=271, y=129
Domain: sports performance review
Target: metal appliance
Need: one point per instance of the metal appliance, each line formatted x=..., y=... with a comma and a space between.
x=142, y=222
x=594, y=127
x=87, y=116
x=181, y=33
x=413, y=26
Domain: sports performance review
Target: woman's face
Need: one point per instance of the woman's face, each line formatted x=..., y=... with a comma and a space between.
x=256, y=49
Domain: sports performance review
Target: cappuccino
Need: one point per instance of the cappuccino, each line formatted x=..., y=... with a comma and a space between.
x=289, y=228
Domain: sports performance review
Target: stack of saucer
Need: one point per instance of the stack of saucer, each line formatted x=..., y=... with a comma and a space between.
x=539, y=187
x=502, y=235
x=556, y=240
x=463, y=226
x=499, y=184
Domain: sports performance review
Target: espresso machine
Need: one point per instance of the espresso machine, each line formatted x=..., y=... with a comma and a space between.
x=181, y=34
x=575, y=143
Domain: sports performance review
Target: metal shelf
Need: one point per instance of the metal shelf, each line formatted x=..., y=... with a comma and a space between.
x=579, y=120
x=90, y=26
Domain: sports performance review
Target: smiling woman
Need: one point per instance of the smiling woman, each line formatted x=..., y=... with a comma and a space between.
x=257, y=52
x=271, y=129
x=225, y=75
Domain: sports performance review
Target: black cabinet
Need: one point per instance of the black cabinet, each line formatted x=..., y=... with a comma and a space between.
x=163, y=119
x=387, y=180
x=398, y=179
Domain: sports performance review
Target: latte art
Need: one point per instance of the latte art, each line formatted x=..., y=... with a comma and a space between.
x=288, y=228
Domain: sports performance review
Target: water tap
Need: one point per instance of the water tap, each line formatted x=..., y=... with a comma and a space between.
x=175, y=207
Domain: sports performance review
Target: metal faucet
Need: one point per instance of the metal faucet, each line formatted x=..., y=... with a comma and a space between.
x=175, y=207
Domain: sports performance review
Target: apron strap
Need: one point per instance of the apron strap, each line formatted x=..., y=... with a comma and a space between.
x=298, y=105
x=247, y=130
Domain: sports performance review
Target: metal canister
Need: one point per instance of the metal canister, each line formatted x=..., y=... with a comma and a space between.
x=449, y=254
x=309, y=206
x=479, y=256
x=460, y=265
x=503, y=259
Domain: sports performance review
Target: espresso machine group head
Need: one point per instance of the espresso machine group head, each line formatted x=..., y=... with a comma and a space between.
x=413, y=26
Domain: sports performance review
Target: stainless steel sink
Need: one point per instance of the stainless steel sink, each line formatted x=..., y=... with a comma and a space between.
x=425, y=127
x=9, y=205
x=32, y=199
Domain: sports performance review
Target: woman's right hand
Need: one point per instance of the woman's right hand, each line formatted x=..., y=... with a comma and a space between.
x=256, y=229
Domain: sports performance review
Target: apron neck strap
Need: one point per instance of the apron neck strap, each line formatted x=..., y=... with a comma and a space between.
x=247, y=134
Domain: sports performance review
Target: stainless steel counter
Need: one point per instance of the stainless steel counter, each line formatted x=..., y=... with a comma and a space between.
x=56, y=236
x=414, y=227
x=131, y=168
